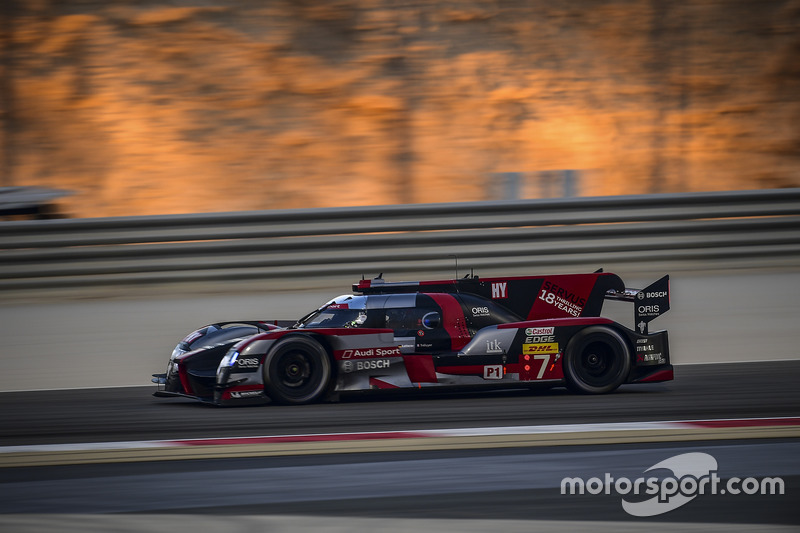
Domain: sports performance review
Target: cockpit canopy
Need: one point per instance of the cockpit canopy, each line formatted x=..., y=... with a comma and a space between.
x=405, y=314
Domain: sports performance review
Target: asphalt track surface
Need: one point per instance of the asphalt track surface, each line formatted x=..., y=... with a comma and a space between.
x=518, y=484
x=510, y=489
x=735, y=390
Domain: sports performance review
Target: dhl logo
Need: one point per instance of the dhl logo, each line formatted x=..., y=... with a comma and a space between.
x=528, y=349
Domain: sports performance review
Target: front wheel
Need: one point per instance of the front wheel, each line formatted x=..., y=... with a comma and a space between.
x=597, y=360
x=297, y=371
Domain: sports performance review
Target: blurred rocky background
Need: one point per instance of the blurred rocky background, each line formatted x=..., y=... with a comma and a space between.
x=155, y=107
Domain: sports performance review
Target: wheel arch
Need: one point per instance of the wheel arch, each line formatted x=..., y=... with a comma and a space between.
x=325, y=342
x=581, y=339
x=273, y=350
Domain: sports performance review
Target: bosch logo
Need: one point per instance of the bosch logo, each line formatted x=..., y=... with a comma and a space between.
x=640, y=295
x=372, y=364
x=662, y=294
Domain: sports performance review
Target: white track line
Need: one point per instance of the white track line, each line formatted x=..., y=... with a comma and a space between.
x=686, y=425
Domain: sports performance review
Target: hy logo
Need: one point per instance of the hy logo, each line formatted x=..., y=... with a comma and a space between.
x=499, y=290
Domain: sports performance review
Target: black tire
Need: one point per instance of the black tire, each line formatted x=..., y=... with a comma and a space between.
x=297, y=371
x=597, y=360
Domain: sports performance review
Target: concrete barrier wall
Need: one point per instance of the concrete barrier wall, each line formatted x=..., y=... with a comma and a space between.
x=715, y=317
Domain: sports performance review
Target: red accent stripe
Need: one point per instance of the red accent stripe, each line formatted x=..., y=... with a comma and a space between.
x=184, y=377
x=572, y=288
x=765, y=422
x=420, y=368
x=661, y=375
x=550, y=322
x=343, y=331
x=239, y=388
x=453, y=313
x=299, y=438
x=277, y=334
x=465, y=370
x=377, y=383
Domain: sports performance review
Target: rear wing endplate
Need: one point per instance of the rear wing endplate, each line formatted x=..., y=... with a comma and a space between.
x=649, y=303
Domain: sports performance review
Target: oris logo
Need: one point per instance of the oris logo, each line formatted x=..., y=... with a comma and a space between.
x=247, y=363
x=480, y=311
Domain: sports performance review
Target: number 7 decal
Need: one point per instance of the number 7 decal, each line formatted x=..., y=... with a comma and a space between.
x=545, y=358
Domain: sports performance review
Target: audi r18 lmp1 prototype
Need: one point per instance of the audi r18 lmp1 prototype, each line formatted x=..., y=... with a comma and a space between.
x=494, y=332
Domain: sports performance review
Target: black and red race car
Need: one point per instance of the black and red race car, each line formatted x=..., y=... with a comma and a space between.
x=494, y=332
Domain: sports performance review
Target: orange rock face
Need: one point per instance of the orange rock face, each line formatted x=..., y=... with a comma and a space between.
x=154, y=108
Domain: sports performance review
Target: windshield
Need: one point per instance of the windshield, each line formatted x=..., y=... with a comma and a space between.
x=332, y=317
x=346, y=311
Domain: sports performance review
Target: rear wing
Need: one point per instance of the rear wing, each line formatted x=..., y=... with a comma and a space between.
x=649, y=303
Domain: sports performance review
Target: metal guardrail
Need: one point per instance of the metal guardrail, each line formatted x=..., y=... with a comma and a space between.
x=535, y=234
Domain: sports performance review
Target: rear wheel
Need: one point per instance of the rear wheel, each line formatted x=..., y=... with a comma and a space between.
x=297, y=371
x=597, y=360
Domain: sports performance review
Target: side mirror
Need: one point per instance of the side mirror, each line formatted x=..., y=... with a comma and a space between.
x=431, y=320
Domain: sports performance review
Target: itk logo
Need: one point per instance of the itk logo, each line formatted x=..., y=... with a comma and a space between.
x=693, y=474
x=499, y=290
x=493, y=346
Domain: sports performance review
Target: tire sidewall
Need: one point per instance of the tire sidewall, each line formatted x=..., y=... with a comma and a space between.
x=320, y=371
x=579, y=342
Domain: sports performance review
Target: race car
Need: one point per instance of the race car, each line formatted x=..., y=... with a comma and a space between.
x=496, y=332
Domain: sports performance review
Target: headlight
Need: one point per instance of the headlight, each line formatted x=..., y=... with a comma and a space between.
x=229, y=359
x=177, y=352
